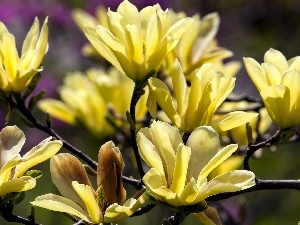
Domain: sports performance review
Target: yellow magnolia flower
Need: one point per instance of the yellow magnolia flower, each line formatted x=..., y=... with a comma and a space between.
x=196, y=105
x=136, y=42
x=81, y=200
x=13, y=166
x=16, y=72
x=86, y=97
x=198, y=45
x=178, y=172
x=278, y=82
x=82, y=18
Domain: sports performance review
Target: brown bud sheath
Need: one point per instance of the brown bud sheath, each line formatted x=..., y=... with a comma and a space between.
x=109, y=173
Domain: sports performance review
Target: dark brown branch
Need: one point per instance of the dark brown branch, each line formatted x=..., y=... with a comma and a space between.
x=177, y=218
x=253, y=148
x=134, y=99
x=17, y=219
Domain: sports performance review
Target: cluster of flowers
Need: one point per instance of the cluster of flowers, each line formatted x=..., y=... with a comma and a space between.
x=171, y=61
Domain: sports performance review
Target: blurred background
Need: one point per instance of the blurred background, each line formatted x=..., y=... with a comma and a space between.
x=248, y=28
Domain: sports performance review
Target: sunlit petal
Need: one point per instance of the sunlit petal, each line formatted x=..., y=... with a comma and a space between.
x=61, y=204
x=86, y=193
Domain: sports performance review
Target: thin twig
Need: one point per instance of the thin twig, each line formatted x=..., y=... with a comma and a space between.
x=9, y=217
x=253, y=148
x=27, y=113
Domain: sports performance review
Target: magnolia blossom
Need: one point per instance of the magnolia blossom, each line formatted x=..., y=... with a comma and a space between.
x=198, y=44
x=178, y=172
x=81, y=200
x=13, y=166
x=278, y=82
x=86, y=97
x=83, y=18
x=196, y=105
x=137, y=42
x=16, y=72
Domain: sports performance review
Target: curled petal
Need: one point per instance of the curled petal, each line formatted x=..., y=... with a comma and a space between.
x=61, y=204
x=232, y=181
x=115, y=213
x=17, y=185
x=38, y=154
x=12, y=140
x=232, y=120
x=87, y=195
x=220, y=157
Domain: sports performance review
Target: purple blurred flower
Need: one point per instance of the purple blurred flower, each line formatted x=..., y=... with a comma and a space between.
x=113, y=4
x=14, y=11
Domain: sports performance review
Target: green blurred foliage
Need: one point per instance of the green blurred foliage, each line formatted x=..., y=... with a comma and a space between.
x=248, y=28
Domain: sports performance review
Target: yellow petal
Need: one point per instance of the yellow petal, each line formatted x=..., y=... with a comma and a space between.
x=154, y=34
x=149, y=154
x=277, y=59
x=217, y=159
x=229, y=182
x=61, y=204
x=9, y=51
x=232, y=120
x=57, y=109
x=164, y=99
x=166, y=144
x=103, y=49
x=86, y=193
x=31, y=37
x=38, y=154
x=291, y=79
x=154, y=183
x=135, y=44
x=277, y=102
x=273, y=76
x=41, y=46
x=116, y=213
x=66, y=168
x=190, y=192
x=17, y=185
x=179, y=86
x=204, y=142
x=256, y=73
x=180, y=27
x=181, y=167
x=114, y=25
x=6, y=169
x=129, y=12
x=12, y=140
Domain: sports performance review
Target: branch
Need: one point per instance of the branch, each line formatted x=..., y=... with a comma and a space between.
x=135, y=97
x=28, y=115
x=260, y=185
x=143, y=210
x=176, y=219
x=48, y=130
x=17, y=219
x=253, y=148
